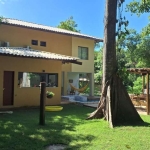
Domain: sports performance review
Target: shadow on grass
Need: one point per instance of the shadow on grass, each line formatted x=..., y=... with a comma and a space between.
x=137, y=124
x=21, y=130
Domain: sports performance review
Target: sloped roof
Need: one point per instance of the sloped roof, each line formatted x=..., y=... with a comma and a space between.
x=47, y=28
x=31, y=53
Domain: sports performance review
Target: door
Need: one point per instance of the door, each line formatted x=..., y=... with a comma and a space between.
x=8, y=88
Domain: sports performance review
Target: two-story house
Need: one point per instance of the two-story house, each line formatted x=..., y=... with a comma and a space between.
x=31, y=53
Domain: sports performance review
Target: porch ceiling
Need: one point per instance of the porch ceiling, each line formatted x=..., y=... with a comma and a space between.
x=31, y=53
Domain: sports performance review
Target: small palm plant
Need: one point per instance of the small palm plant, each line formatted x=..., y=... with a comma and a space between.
x=49, y=94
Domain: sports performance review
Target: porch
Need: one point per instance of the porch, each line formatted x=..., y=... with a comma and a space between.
x=77, y=83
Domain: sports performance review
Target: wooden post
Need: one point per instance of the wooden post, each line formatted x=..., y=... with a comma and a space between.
x=143, y=76
x=42, y=103
x=148, y=111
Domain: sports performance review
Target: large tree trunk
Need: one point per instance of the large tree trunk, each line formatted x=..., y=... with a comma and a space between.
x=115, y=104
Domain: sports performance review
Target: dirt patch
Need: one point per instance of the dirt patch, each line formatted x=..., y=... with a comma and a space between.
x=141, y=110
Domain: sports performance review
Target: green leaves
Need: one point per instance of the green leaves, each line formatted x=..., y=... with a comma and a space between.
x=139, y=7
x=137, y=89
x=69, y=24
x=98, y=57
x=146, y=31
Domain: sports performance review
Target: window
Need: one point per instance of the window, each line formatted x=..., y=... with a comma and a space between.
x=83, y=53
x=34, y=42
x=42, y=43
x=29, y=79
x=53, y=80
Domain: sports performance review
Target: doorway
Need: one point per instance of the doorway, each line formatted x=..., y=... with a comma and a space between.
x=8, y=88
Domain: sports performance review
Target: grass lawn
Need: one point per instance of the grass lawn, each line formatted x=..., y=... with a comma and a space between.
x=20, y=131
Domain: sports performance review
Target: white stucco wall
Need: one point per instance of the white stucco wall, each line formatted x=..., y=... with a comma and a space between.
x=75, y=77
x=87, y=65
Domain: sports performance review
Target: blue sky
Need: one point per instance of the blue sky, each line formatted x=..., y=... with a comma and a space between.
x=89, y=16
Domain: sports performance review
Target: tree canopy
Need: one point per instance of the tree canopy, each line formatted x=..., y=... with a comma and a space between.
x=69, y=24
x=139, y=6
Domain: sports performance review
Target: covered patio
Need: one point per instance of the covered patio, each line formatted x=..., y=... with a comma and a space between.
x=22, y=70
x=144, y=72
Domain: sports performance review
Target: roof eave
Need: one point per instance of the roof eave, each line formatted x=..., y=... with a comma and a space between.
x=62, y=60
x=73, y=61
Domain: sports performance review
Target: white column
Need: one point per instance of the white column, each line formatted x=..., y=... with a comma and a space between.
x=91, y=76
x=65, y=83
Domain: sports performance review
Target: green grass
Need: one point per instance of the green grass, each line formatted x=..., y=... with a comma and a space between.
x=20, y=131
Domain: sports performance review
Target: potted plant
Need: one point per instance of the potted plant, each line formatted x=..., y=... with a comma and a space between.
x=49, y=94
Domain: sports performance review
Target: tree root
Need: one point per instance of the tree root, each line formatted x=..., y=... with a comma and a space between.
x=115, y=104
x=100, y=111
